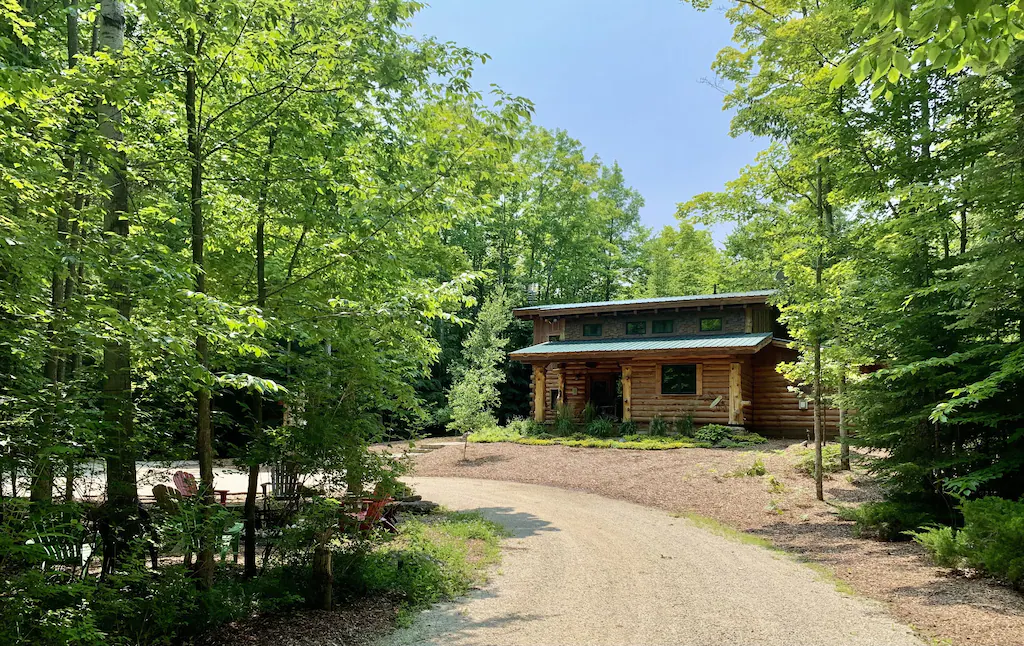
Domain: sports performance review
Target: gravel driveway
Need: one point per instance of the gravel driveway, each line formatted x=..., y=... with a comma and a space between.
x=584, y=569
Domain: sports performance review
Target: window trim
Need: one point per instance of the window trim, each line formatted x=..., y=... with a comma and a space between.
x=599, y=326
x=554, y=337
x=643, y=323
x=721, y=323
x=671, y=326
x=700, y=380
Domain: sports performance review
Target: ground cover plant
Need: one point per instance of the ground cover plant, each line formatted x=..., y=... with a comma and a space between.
x=520, y=432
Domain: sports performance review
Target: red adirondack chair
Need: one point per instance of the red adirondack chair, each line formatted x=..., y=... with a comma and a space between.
x=185, y=483
x=372, y=512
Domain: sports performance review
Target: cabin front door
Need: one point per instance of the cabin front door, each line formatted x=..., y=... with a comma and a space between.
x=604, y=394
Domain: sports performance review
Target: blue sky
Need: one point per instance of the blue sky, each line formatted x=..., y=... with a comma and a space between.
x=622, y=76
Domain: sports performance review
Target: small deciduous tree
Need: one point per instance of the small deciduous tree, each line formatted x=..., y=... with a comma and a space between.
x=474, y=395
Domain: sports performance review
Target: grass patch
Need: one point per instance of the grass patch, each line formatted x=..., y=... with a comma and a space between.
x=828, y=575
x=435, y=558
x=726, y=531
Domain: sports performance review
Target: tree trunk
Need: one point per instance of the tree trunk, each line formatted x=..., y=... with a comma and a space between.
x=261, y=302
x=844, y=437
x=819, y=415
x=119, y=432
x=204, y=434
x=323, y=578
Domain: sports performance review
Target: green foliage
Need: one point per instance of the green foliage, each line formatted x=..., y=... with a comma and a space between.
x=992, y=535
x=474, y=395
x=684, y=426
x=565, y=420
x=990, y=539
x=601, y=427
x=629, y=427
x=437, y=558
x=756, y=469
x=713, y=433
x=943, y=543
x=886, y=520
x=589, y=413
x=775, y=485
x=829, y=460
x=658, y=427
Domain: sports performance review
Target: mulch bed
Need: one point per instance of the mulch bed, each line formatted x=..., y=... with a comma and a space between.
x=350, y=624
x=942, y=605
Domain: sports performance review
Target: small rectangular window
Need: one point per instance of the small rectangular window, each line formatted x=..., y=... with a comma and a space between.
x=662, y=327
x=711, y=325
x=592, y=329
x=554, y=399
x=636, y=327
x=679, y=379
x=555, y=337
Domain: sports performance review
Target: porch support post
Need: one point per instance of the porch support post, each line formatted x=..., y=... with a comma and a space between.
x=538, y=392
x=736, y=393
x=627, y=393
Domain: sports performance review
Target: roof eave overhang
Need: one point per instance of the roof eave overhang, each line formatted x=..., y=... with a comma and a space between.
x=528, y=313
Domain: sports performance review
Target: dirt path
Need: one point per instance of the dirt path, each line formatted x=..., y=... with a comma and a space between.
x=584, y=569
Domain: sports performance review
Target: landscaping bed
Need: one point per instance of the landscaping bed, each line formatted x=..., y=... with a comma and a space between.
x=775, y=502
x=709, y=436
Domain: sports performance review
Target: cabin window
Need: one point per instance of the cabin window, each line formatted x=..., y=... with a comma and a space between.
x=662, y=327
x=636, y=327
x=679, y=379
x=554, y=399
x=555, y=337
x=592, y=329
x=711, y=325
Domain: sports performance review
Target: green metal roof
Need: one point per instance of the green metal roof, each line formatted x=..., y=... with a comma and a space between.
x=693, y=342
x=666, y=300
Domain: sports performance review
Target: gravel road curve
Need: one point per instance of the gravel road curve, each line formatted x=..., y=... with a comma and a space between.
x=583, y=569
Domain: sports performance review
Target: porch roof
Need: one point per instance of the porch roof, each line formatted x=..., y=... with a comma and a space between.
x=738, y=342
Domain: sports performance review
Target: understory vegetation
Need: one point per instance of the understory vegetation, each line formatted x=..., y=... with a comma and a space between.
x=430, y=558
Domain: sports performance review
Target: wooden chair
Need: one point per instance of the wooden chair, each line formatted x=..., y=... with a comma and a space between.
x=371, y=512
x=283, y=486
x=186, y=484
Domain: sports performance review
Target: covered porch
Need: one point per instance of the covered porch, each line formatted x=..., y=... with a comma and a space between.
x=710, y=380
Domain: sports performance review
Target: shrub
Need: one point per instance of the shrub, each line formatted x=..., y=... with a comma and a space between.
x=993, y=536
x=496, y=434
x=525, y=427
x=775, y=485
x=565, y=420
x=888, y=520
x=942, y=543
x=437, y=558
x=601, y=427
x=829, y=460
x=659, y=427
x=684, y=426
x=713, y=434
x=629, y=427
x=589, y=413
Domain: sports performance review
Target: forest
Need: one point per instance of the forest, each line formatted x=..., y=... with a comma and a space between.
x=286, y=230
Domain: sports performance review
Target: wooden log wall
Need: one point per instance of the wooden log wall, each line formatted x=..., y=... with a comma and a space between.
x=648, y=402
x=776, y=410
x=765, y=404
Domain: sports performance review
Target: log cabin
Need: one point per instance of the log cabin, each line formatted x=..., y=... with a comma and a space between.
x=713, y=357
